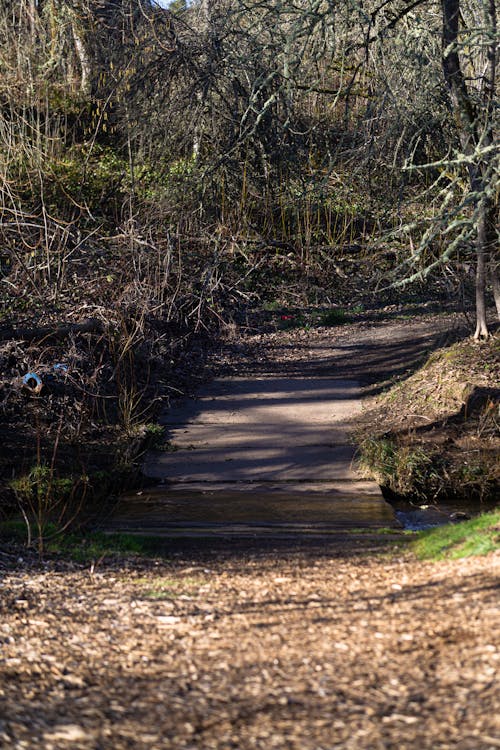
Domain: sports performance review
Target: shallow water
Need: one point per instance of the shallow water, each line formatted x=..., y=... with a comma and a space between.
x=231, y=511
x=212, y=512
x=414, y=517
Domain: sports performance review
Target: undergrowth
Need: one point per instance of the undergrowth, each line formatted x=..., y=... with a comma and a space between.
x=51, y=505
x=84, y=546
x=441, y=428
x=313, y=318
x=404, y=470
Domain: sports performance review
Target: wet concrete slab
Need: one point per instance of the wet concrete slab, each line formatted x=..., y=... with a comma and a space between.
x=194, y=436
x=243, y=463
x=231, y=511
x=347, y=489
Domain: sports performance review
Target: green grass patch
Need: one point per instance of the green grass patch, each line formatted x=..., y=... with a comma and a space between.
x=478, y=536
x=97, y=545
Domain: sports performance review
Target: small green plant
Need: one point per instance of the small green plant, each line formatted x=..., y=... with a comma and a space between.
x=357, y=309
x=333, y=317
x=471, y=472
x=272, y=306
x=154, y=434
x=48, y=503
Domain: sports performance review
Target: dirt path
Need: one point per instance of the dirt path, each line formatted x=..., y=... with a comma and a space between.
x=375, y=352
x=338, y=644
x=257, y=455
x=265, y=447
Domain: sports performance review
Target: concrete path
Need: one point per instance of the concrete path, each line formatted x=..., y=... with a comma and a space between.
x=258, y=456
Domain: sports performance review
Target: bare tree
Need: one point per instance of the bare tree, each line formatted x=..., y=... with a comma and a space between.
x=474, y=111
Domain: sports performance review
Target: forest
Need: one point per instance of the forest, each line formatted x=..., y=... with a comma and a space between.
x=172, y=176
x=249, y=375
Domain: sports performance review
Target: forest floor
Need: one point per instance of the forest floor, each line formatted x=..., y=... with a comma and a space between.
x=348, y=644
x=344, y=646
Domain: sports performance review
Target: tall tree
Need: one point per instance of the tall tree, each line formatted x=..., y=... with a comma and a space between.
x=474, y=112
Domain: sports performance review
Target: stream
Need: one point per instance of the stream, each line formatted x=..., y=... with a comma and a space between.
x=419, y=516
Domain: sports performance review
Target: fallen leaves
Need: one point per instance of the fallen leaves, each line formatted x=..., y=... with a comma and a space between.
x=295, y=650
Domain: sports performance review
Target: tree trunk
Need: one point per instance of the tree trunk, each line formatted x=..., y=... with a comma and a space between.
x=494, y=264
x=486, y=251
x=83, y=58
x=495, y=283
x=32, y=16
x=463, y=109
x=481, y=331
x=469, y=126
x=490, y=87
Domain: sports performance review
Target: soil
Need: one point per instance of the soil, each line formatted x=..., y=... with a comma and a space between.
x=376, y=349
x=347, y=644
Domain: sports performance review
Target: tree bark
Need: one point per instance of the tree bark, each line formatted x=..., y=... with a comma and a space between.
x=83, y=58
x=495, y=283
x=481, y=331
x=463, y=109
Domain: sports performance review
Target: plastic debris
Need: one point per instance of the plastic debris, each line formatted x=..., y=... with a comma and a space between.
x=33, y=382
x=60, y=368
